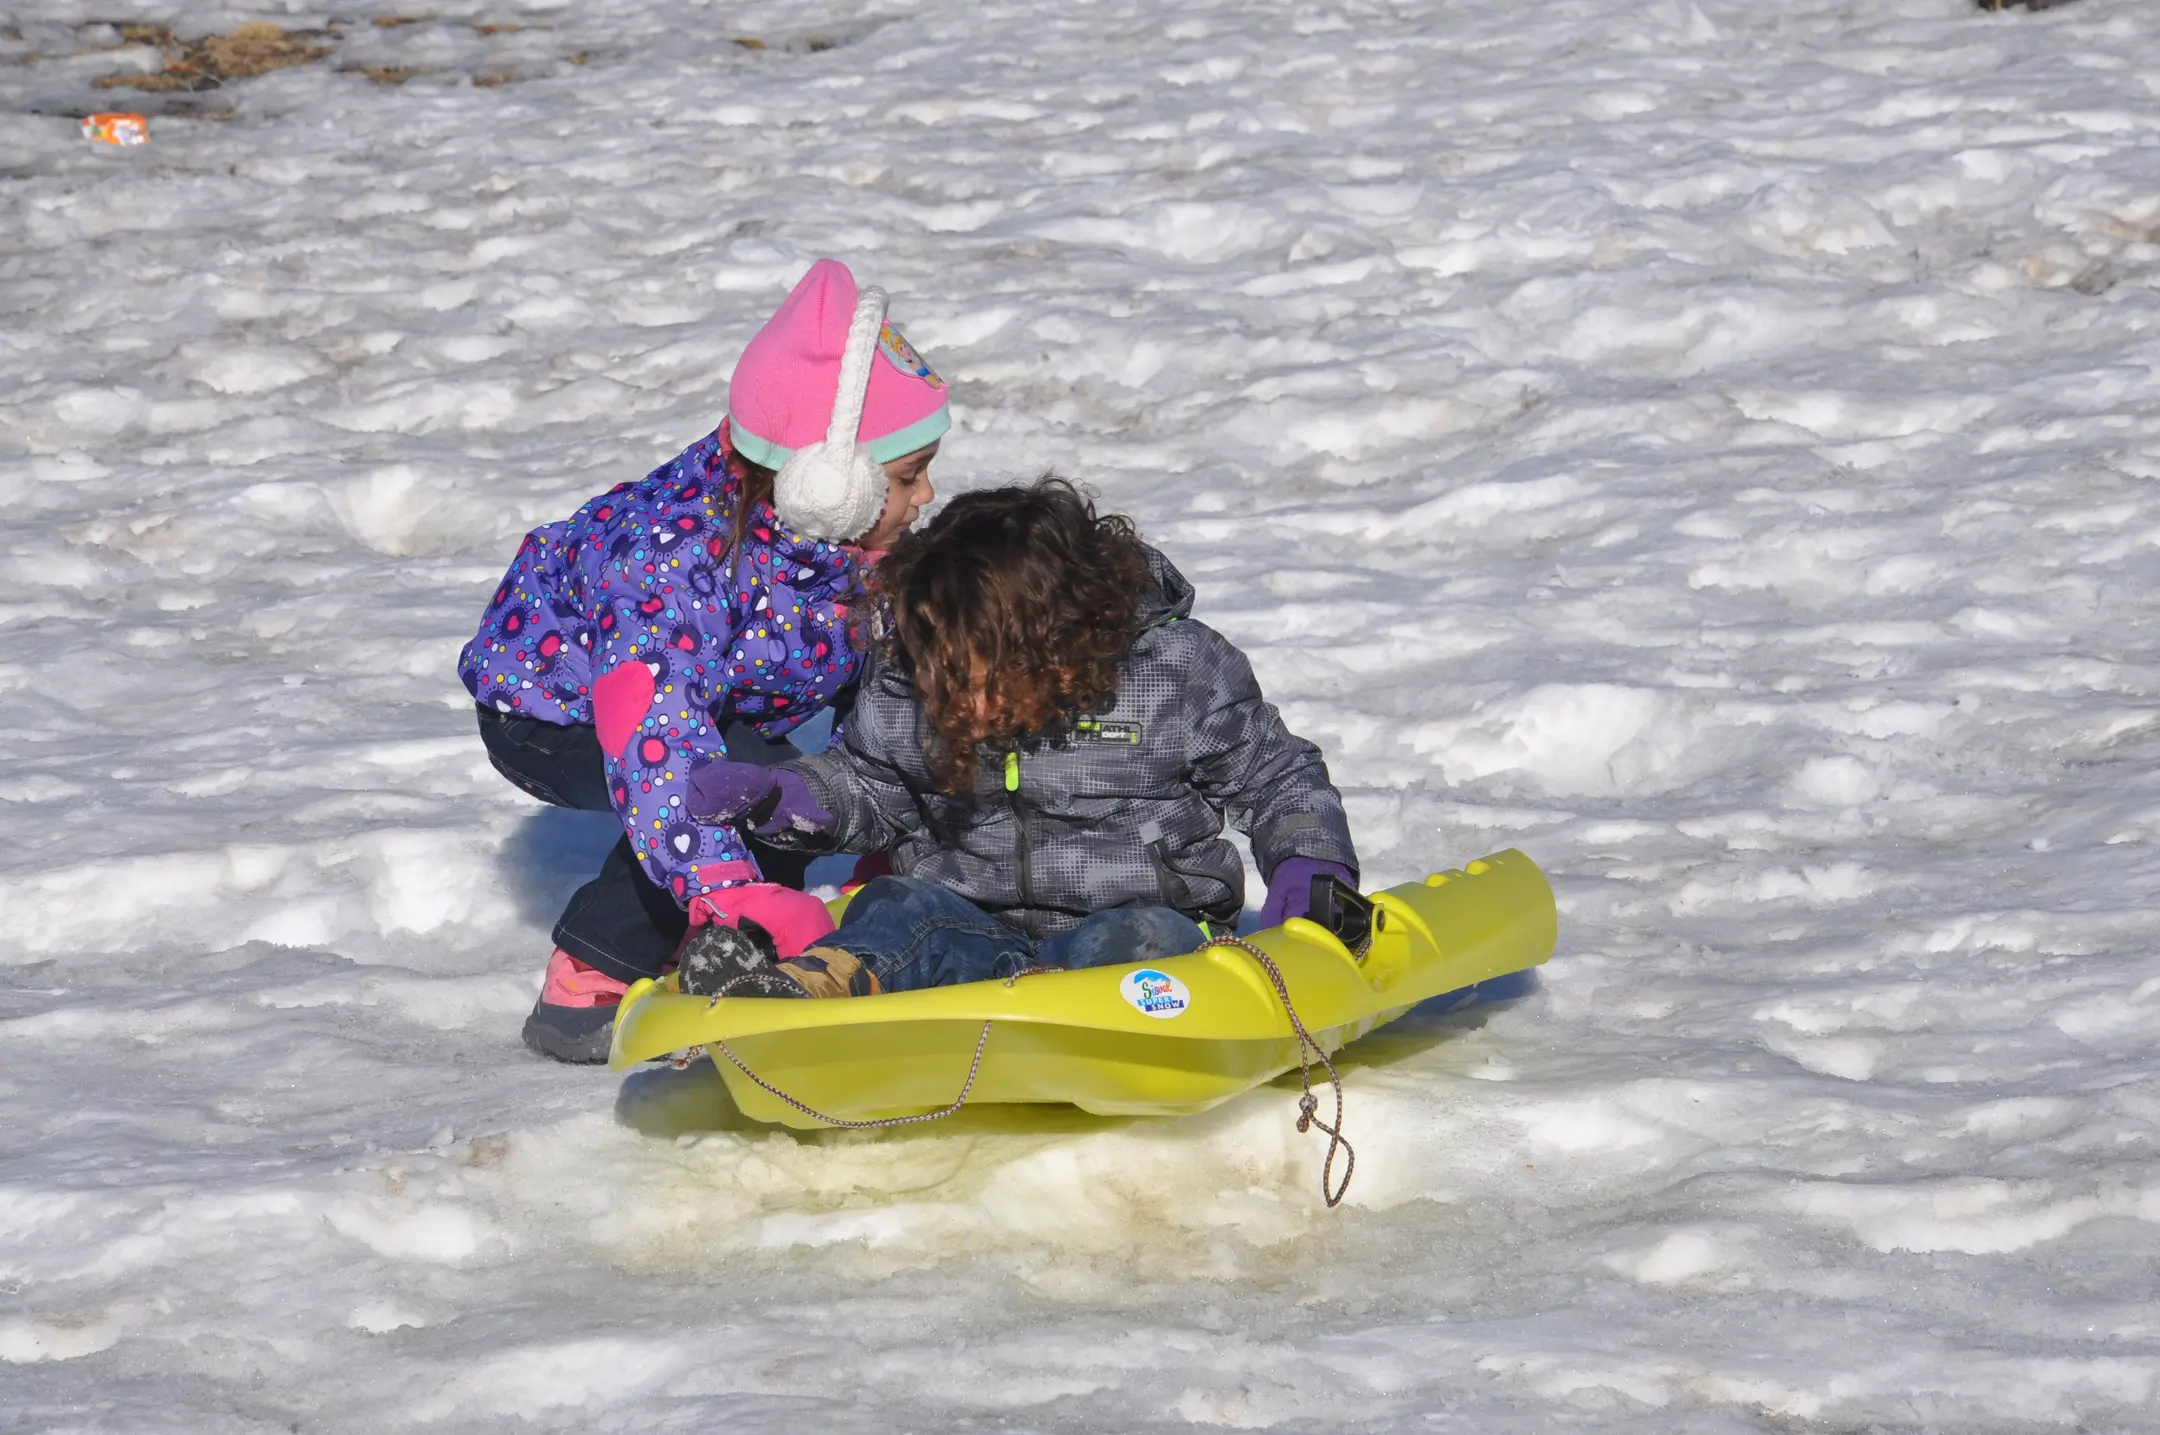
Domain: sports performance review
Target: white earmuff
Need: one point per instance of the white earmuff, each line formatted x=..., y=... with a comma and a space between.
x=834, y=490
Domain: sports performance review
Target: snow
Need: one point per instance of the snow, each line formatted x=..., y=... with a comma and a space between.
x=1708, y=445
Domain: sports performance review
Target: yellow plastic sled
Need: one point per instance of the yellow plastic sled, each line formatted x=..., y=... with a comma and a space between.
x=1156, y=1039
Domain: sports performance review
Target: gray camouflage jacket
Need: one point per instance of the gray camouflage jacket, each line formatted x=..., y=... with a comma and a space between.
x=1126, y=810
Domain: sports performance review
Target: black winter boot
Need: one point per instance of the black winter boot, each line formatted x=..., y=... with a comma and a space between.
x=738, y=961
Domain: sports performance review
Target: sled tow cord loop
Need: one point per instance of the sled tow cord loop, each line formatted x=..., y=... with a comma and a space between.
x=974, y=1068
x=880, y=1124
x=1308, y=1104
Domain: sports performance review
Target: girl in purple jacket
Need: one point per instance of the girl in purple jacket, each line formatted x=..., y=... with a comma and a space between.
x=697, y=615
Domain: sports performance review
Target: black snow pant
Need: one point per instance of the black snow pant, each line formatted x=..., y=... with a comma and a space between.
x=621, y=921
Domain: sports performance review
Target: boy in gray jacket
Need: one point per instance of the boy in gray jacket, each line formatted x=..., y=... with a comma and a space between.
x=1049, y=746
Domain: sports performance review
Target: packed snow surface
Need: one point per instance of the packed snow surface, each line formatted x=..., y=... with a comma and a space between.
x=1710, y=445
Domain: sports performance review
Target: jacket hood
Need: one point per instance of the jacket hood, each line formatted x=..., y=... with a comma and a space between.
x=1168, y=596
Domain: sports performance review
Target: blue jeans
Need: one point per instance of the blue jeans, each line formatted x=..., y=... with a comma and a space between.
x=917, y=934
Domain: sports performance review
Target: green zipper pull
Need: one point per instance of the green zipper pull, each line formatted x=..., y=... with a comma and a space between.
x=1012, y=772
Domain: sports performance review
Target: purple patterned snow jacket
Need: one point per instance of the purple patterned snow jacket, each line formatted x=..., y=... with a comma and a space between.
x=625, y=616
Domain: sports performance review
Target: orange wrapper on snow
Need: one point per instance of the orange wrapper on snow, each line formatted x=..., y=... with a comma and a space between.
x=116, y=129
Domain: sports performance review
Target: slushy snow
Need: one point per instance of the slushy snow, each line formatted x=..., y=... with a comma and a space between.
x=1710, y=445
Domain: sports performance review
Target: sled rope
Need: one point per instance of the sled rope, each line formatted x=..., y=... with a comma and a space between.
x=1308, y=1104
x=883, y=1122
x=974, y=1067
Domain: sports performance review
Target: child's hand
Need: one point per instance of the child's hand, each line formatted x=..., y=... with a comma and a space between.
x=730, y=791
x=1289, y=892
x=766, y=800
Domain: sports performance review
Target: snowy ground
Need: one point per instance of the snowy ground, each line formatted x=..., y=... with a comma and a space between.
x=1709, y=445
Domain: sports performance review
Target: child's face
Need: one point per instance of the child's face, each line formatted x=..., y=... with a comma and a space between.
x=907, y=493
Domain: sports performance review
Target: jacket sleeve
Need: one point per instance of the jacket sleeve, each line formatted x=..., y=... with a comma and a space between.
x=1271, y=783
x=858, y=780
x=654, y=731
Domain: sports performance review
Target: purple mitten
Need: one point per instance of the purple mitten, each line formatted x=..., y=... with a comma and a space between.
x=1289, y=892
x=794, y=809
x=725, y=792
x=767, y=800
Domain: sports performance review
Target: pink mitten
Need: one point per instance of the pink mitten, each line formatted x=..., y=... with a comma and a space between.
x=795, y=919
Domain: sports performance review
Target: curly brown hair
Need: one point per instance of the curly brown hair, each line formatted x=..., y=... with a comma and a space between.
x=1012, y=609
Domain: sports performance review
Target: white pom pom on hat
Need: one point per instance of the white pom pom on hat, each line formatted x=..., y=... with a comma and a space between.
x=835, y=490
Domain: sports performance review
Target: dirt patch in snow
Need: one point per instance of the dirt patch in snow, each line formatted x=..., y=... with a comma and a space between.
x=256, y=48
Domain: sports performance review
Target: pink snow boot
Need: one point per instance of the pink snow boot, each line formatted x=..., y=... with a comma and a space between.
x=574, y=1020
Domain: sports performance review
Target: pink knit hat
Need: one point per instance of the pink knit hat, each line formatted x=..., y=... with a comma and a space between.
x=781, y=398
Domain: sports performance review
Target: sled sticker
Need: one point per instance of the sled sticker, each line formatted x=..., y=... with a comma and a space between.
x=904, y=358
x=1154, y=993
